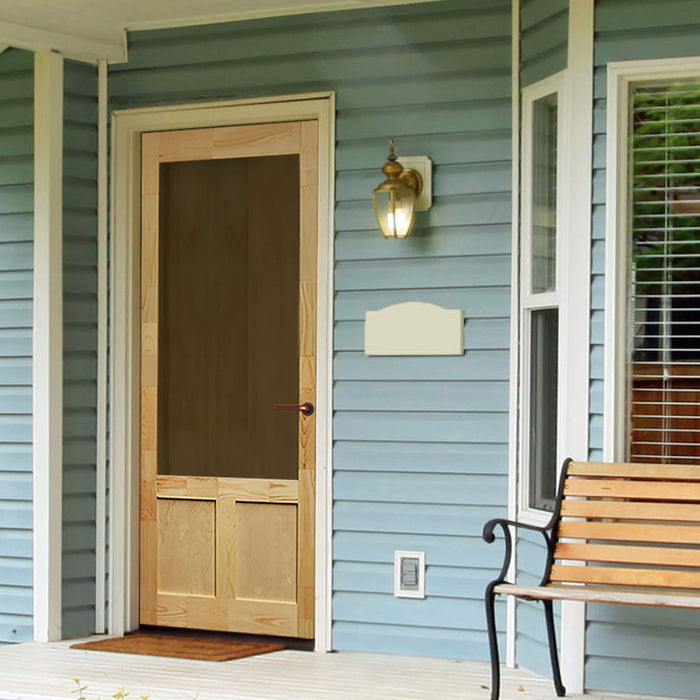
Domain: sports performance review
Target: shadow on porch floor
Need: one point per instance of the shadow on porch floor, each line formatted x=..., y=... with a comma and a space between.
x=46, y=671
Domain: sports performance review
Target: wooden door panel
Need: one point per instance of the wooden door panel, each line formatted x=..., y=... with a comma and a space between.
x=232, y=553
x=186, y=546
x=266, y=551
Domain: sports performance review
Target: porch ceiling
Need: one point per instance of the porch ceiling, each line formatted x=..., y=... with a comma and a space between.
x=96, y=28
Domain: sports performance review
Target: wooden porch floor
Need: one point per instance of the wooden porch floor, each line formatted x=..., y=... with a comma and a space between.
x=43, y=671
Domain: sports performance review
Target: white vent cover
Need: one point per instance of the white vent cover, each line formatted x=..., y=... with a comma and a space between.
x=409, y=574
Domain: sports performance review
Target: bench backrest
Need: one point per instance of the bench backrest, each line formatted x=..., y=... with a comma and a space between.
x=638, y=523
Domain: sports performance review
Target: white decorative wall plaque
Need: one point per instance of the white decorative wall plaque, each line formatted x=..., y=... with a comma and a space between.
x=414, y=328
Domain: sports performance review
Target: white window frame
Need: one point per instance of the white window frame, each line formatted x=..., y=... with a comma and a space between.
x=621, y=76
x=553, y=85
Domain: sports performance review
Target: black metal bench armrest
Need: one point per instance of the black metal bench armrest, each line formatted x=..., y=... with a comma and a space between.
x=505, y=524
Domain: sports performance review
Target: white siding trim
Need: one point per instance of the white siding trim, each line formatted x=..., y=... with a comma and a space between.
x=513, y=392
x=47, y=345
x=620, y=75
x=576, y=305
x=124, y=523
x=614, y=418
x=102, y=320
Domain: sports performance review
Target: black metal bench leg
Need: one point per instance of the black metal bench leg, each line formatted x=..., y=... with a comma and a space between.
x=489, y=599
x=553, y=654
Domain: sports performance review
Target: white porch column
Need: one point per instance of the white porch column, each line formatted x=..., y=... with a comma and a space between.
x=47, y=344
x=576, y=292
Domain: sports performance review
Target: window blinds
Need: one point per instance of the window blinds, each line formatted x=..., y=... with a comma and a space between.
x=664, y=314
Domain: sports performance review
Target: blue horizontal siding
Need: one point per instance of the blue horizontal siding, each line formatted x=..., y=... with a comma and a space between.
x=17, y=515
x=440, y=518
x=486, y=302
x=445, y=241
x=435, y=427
x=15, y=228
x=416, y=456
x=432, y=611
x=444, y=581
x=464, y=146
x=16, y=282
x=419, y=488
x=645, y=676
x=466, y=209
x=16, y=256
x=298, y=35
x=531, y=647
x=419, y=443
x=20, y=601
x=636, y=650
x=423, y=396
x=544, y=26
x=402, y=639
x=79, y=347
x=487, y=365
x=440, y=549
x=479, y=271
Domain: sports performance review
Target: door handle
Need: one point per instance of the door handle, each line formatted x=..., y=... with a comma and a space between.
x=305, y=408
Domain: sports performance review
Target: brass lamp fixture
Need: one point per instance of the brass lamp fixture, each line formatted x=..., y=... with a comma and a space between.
x=401, y=194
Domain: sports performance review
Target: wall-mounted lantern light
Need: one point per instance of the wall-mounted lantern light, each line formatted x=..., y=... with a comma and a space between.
x=407, y=189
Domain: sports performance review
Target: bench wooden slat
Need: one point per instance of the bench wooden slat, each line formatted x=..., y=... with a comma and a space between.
x=603, y=595
x=649, y=490
x=631, y=532
x=680, y=512
x=663, y=556
x=626, y=577
x=665, y=472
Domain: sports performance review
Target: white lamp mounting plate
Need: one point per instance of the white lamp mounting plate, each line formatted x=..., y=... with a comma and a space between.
x=424, y=167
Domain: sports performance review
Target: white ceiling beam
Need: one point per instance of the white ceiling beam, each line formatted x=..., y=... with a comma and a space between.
x=81, y=48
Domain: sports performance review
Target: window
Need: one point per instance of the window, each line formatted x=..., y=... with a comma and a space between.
x=539, y=293
x=663, y=320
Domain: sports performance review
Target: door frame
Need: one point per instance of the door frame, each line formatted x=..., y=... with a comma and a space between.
x=124, y=332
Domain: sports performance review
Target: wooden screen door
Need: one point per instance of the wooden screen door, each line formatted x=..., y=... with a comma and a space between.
x=228, y=331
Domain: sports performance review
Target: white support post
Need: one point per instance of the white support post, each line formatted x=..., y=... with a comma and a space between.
x=101, y=442
x=47, y=344
x=513, y=400
x=576, y=292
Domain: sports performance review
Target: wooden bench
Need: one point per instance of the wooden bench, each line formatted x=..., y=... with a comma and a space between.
x=620, y=533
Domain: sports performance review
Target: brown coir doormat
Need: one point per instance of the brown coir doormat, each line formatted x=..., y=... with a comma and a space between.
x=180, y=646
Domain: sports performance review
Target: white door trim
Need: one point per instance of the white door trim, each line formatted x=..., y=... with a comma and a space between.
x=127, y=127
